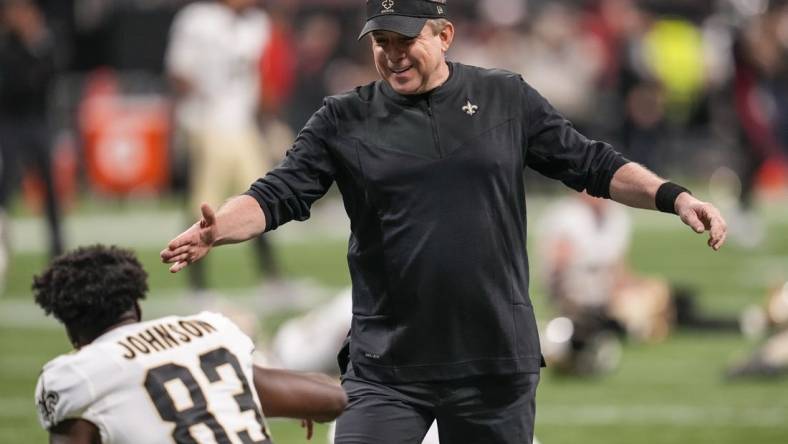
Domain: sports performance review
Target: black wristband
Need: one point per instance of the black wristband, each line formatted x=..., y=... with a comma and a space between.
x=666, y=196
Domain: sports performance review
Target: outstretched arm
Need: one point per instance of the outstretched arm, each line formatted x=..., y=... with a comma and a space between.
x=239, y=219
x=289, y=394
x=637, y=187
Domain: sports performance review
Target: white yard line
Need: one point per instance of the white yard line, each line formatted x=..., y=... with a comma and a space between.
x=154, y=227
x=19, y=313
x=669, y=415
x=586, y=415
x=150, y=228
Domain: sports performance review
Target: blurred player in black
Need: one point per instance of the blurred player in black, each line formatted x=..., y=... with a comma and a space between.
x=27, y=71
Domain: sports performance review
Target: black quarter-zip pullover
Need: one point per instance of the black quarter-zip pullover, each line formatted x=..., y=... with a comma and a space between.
x=433, y=186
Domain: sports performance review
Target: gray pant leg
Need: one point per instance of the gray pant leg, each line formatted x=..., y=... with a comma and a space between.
x=489, y=410
x=378, y=414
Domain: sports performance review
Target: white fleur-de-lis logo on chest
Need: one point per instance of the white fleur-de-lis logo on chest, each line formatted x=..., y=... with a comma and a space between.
x=388, y=4
x=470, y=108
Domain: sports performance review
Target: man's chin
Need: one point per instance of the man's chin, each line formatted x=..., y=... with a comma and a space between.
x=404, y=88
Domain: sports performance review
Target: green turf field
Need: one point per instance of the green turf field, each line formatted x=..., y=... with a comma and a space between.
x=672, y=392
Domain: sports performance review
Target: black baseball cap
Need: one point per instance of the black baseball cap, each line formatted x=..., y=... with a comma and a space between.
x=406, y=17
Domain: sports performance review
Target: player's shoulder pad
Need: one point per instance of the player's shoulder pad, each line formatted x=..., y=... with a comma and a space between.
x=62, y=391
x=214, y=317
x=219, y=321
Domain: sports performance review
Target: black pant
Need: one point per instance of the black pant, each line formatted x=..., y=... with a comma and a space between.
x=26, y=143
x=483, y=410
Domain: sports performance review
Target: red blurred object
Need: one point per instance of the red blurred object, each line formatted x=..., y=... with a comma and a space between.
x=125, y=138
x=277, y=68
x=773, y=176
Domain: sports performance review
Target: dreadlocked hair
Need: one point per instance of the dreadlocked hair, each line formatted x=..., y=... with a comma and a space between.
x=88, y=289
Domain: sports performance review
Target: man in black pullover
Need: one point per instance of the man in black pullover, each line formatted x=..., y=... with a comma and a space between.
x=429, y=163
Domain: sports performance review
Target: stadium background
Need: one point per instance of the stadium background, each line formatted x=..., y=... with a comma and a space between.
x=672, y=392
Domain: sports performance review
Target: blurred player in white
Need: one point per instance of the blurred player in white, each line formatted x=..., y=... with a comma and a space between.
x=770, y=358
x=583, y=245
x=213, y=61
x=584, y=242
x=173, y=379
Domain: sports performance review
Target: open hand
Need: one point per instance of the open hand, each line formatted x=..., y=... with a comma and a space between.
x=193, y=244
x=702, y=216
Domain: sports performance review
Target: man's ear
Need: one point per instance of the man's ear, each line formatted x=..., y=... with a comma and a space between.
x=447, y=36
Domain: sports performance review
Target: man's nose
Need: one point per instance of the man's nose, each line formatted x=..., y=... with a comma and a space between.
x=395, y=52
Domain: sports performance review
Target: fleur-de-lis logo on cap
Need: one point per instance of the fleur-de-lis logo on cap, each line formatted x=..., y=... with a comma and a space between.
x=388, y=4
x=470, y=108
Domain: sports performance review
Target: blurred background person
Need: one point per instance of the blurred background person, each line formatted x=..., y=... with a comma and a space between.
x=213, y=61
x=644, y=124
x=277, y=71
x=583, y=247
x=316, y=44
x=584, y=243
x=27, y=71
x=769, y=360
x=770, y=357
x=760, y=90
x=562, y=62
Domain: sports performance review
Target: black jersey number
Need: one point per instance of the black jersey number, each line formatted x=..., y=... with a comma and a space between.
x=198, y=413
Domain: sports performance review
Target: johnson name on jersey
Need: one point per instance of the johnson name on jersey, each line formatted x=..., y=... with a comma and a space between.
x=173, y=379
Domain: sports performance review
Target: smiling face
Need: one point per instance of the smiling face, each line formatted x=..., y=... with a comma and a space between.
x=413, y=65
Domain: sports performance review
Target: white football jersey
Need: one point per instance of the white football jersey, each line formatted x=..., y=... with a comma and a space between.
x=599, y=246
x=171, y=380
x=218, y=51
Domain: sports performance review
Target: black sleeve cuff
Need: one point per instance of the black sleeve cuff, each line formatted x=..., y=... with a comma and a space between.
x=600, y=182
x=270, y=224
x=617, y=164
